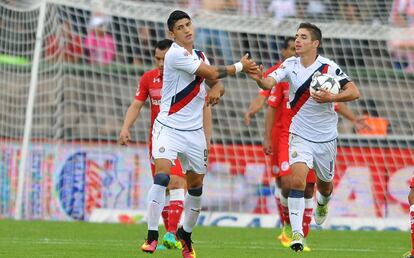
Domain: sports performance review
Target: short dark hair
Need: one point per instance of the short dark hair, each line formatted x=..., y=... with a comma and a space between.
x=316, y=33
x=163, y=44
x=285, y=44
x=176, y=16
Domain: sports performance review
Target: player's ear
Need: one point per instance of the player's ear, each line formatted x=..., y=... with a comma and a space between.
x=316, y=43
x=171, y=34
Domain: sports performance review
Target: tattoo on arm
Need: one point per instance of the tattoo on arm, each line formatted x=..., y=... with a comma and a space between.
x=222, y=70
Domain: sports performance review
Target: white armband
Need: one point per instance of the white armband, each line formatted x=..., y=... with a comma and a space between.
x=239, y=67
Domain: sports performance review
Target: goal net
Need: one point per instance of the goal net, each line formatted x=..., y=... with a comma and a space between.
x=64, y=94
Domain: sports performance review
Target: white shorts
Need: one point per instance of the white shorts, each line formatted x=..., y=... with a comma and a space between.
x=188, y=146
x=319, y=156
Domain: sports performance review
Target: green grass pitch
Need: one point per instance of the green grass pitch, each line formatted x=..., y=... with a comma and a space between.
x=79, y=239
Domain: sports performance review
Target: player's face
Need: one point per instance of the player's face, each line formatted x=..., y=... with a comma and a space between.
x=159, y=58
x=183, y=32
x=304, y=43
x=289, y=51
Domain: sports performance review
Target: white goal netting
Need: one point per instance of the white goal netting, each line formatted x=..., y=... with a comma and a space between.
x=83, y=88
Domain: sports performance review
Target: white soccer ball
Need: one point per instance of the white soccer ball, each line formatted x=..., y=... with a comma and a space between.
x=325, y=81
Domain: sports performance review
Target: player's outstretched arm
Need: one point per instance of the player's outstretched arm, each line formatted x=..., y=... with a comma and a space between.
x=210, y=72
x=130, y=117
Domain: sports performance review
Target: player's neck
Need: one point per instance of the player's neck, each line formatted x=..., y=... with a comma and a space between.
x=188, y=47
x=308, y=60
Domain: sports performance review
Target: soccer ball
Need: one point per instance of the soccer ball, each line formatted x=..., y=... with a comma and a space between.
x=324, y=81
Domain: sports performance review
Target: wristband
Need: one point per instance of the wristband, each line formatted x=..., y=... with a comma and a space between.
x=239, y=67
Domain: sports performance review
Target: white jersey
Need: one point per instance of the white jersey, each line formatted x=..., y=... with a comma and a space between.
x=310, y=120
x=183, y=93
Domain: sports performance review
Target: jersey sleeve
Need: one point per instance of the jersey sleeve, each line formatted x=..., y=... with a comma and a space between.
x=143, y=90
x=337, y=72
x=281, y=73
x=182, y=60
x=276, y=96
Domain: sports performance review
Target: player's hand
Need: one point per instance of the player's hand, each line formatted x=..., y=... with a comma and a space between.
x=124, y=137
x=257, y=74
x=361, y=124
x=323, y=96
x=249, y=66
x=213, y=96
x=247, y=118
x=267, y=146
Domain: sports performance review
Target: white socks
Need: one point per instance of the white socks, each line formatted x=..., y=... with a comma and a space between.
x=156, y=202
x=192, y=207
x=322, y=200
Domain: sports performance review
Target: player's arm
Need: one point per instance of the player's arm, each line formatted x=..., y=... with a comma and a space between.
x=349, y=92
x=269, y=122
x=207, y=124
x=130, y=117
x=358, y=122
x=216, y=91
x=254, y=107
x=211, y=72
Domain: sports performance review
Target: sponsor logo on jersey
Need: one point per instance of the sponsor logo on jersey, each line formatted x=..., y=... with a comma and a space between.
x=156, y=102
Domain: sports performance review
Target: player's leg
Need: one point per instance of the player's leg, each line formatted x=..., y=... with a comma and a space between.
x=301, y=160
x=176, y=205
x=156, y=201
x=197, y=156
x=308, y=213
x=192, y=208
x=284, y=195
x=284, y=178
x=164, y=153
x=324, y=163
x=410, y=254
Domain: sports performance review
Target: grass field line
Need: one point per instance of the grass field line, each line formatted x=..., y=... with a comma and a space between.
x=205, y=244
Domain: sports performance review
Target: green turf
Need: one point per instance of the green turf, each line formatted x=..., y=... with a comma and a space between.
x=77, y=239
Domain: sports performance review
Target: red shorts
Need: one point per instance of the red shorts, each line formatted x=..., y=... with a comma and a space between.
x=284, y=168
x=176, y=170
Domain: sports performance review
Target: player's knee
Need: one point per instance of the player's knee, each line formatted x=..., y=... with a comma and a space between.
x=196, y=191
x=296, y=193
x=298, y=184
x=161, y=179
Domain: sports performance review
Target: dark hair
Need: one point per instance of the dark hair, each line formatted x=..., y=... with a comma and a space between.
x=316, y=33
x=176, y=16
x=163, y=44
x=285, y=44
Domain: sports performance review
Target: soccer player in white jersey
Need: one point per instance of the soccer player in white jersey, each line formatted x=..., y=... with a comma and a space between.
x=178, y=128
x=313, y=131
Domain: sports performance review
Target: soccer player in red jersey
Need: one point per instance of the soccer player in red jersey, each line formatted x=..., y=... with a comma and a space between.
x=410, y=254
x=150, y=86
x=288, y=50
